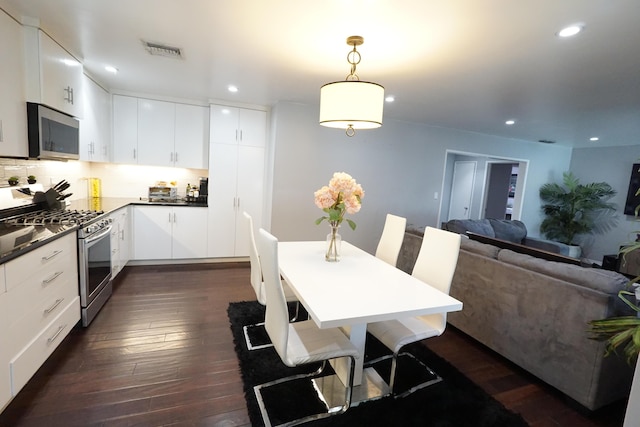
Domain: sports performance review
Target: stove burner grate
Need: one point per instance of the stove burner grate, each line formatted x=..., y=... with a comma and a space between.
x=45, y=217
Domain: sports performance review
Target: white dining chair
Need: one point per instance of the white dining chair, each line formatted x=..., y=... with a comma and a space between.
x=300, y=342
x=258, y=287
x=391, y=239
x=435, y=265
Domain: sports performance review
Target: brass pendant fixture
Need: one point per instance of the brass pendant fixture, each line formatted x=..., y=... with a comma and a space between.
x=352, y=104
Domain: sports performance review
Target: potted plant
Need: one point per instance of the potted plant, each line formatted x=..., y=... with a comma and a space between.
x=13, y=180
x=573, y=209
x=31, y=179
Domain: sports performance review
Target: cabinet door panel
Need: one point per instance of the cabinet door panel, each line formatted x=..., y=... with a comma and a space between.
x=125, y=129
x=224, y=124
x=253, y=126
x=13, y=120
x=156, y=127
x=152, y=227
x=191, y=136
x=189, y=232
x=250, y=182
x=222, y=200
x=61, y=77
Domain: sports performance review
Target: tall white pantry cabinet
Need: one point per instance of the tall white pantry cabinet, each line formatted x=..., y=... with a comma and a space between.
x=236, y=177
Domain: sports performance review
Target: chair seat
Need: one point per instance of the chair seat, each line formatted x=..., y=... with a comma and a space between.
x=396, y=333
x=308, y=344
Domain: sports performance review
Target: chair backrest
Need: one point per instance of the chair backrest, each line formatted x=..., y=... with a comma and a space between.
x=391, y=239
x=277, y=314
x=436, y=264
x=254, y=261
x=437, y=258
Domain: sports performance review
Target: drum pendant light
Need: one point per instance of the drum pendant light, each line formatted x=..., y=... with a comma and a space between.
x=352, y=104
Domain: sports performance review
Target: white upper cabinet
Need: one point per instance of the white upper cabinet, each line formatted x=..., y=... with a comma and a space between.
x=54, y=76
x=95, y=127
x=160, y=133
x=156, y=129
x=13, y=117
x=125, y=129
x=238, y=126
x=191, y=136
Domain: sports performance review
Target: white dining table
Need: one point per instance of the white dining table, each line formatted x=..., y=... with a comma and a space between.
x=357, y=290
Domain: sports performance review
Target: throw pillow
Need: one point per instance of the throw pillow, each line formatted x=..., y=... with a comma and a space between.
x=511, y=230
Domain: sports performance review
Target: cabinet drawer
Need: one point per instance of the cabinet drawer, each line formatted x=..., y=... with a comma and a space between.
x=33, y=355
x=44, y=284
x=34, y=262
x=37, y=315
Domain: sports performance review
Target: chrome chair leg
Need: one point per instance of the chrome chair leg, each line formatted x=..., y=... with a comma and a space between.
x=394, y=367
x=347, y=398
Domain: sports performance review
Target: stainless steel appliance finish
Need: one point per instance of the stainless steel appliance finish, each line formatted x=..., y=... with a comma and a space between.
x=94, y=265
x=52, y=134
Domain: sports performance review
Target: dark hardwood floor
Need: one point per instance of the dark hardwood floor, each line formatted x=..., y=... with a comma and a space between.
x=160, y=353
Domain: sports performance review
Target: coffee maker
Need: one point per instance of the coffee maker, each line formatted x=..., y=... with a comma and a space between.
x=204, y=188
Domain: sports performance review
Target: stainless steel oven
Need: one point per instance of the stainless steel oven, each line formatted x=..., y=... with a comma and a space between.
x=94, y=265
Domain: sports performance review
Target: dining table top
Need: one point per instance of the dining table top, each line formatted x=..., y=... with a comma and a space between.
x=358, y=289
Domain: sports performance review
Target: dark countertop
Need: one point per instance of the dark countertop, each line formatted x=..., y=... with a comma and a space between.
x=110, y=204
x=17, y=240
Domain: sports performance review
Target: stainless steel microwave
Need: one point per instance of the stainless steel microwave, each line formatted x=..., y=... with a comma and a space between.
x=52, y=134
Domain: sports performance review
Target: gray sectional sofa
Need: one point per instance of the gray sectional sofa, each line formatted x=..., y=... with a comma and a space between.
x=535, y=312
x=505, y=229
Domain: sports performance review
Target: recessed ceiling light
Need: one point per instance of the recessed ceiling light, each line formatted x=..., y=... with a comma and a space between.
x=232, y=88
x=594, y=138
x=111, y=69
x=510, y=122
x=571, y=30
x=390, y=98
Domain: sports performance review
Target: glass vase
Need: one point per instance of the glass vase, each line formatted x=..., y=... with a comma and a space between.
x=333, y=244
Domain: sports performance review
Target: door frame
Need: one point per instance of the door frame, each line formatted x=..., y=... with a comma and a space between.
x=447, y=171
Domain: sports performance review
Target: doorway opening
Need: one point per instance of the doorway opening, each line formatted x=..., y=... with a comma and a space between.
x=488, y=186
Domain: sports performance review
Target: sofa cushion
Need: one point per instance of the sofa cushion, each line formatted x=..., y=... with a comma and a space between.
x=606, y=281
x=480, y=226
x=479, y=248
x=512, y=230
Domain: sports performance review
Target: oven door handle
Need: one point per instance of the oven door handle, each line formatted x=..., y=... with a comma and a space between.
x=97, y=236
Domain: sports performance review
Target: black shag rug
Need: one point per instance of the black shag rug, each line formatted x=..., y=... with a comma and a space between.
x=453, y=402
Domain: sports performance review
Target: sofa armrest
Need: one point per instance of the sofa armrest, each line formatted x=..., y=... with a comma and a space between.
x=547, y=245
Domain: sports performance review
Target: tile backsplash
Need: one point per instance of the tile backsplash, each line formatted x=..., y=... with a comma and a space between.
x=117, y=180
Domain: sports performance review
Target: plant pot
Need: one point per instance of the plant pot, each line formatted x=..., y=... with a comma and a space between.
x=575, y=251
x=13, y=182
x=31, y=181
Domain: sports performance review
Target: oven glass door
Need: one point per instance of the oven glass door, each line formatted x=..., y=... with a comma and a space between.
x=95, y=264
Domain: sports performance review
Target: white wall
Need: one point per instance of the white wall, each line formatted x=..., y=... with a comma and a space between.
x=399, y=165
x=612, y=165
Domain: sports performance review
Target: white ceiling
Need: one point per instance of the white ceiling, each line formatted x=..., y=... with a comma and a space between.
x=464, y=64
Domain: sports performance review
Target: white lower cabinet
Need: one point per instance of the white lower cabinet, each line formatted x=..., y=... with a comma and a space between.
x=167, y=232
x=40, y=307
x=120, y=240
x=5, y=354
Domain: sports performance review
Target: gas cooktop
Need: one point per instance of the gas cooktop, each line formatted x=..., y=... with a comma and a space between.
x=48, y=217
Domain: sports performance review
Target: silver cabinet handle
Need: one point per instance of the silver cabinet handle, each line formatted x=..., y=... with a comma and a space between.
x=171, y=157
x=53, y=306
x=240, y=134
x=135, y=153
x=174, y=217
x=51, y=278
x=47, y=258
x=53, y=338
x=176, y=157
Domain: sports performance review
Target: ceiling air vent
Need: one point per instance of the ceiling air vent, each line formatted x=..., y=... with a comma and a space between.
x=162, y=50
x=546, y=141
